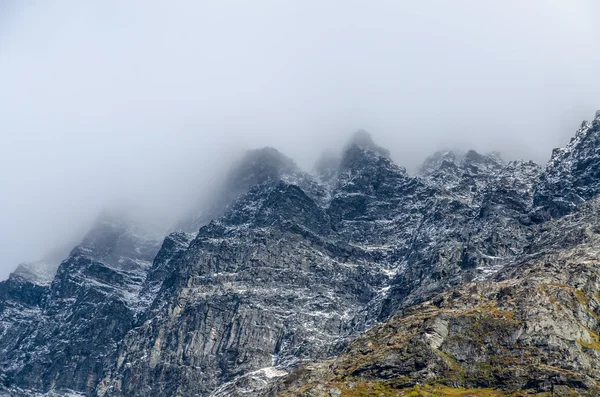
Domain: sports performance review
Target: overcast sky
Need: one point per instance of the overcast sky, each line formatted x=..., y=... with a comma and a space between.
x=141, y=101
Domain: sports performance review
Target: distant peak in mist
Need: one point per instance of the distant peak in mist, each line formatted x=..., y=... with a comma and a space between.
x=459, y=158
x=266, y=156
x=363, y=139
x=258, y=166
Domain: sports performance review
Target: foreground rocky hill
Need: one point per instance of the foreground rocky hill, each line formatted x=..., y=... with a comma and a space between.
x=358, y=279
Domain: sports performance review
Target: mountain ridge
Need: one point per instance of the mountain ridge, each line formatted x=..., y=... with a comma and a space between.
x=286, y=268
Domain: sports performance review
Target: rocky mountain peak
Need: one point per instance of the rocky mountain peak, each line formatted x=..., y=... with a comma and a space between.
x=452, y=160
x=361, y=153
x=42, y=271
x=571, y=176
x=363, y=140
x=464, y=174
x=38, y=272
x=259, y=166
x=440, y=160
x=284, y=268
x=493, y=158
x=119, y=242
x=265, y=166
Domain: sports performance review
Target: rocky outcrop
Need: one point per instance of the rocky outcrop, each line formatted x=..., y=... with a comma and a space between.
x=572, y=175
x=474, y=221
x=533, y=328
x=266, y=285
x=265, y=167
x=295, y=266
x=471, y=274
x=64, y=332
x=462, y=174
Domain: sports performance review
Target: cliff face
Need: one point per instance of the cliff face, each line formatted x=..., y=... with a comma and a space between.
x=268, y=284
x=533, y=328
x=571, y=176
x=529, y=326
x=474, y=274
x=59, y=335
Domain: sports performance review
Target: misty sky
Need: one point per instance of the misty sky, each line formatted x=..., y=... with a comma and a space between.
x=143, y=101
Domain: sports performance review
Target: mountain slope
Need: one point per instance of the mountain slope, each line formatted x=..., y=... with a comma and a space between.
x=289, y=272
x=69, y=327
x=534, y=327
x=571, y=176
x=472, y=274
x=267, y=284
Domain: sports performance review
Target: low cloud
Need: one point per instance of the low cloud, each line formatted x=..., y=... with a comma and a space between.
x=146, y=102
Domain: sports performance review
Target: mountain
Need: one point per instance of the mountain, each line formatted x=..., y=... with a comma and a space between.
x=533, y=328
x=56, y=336
x=475, y=276
x=571, y=176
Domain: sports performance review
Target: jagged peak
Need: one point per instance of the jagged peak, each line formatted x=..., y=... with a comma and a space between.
x=255, y=167
x=40, y=272
x=473, y=157
x=456, y=159
x=441, y=159
x=570, y=177
x=264, y=155
x=523, y=164
x=120, y=241
x=259, y=166
x=363, y=140
x=586, y=129
x=578, y=142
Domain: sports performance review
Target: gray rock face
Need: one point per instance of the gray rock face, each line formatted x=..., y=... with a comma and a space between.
x=258, y=167
x=295, y=266
x=280, y=269
x=473, y=221
x=173, y=246
x=533, y=327
x=67, y=330
x=463, y=174
x=572, y=175
x=266, y=285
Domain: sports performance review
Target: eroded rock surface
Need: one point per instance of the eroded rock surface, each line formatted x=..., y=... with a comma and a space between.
x=477, y=273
